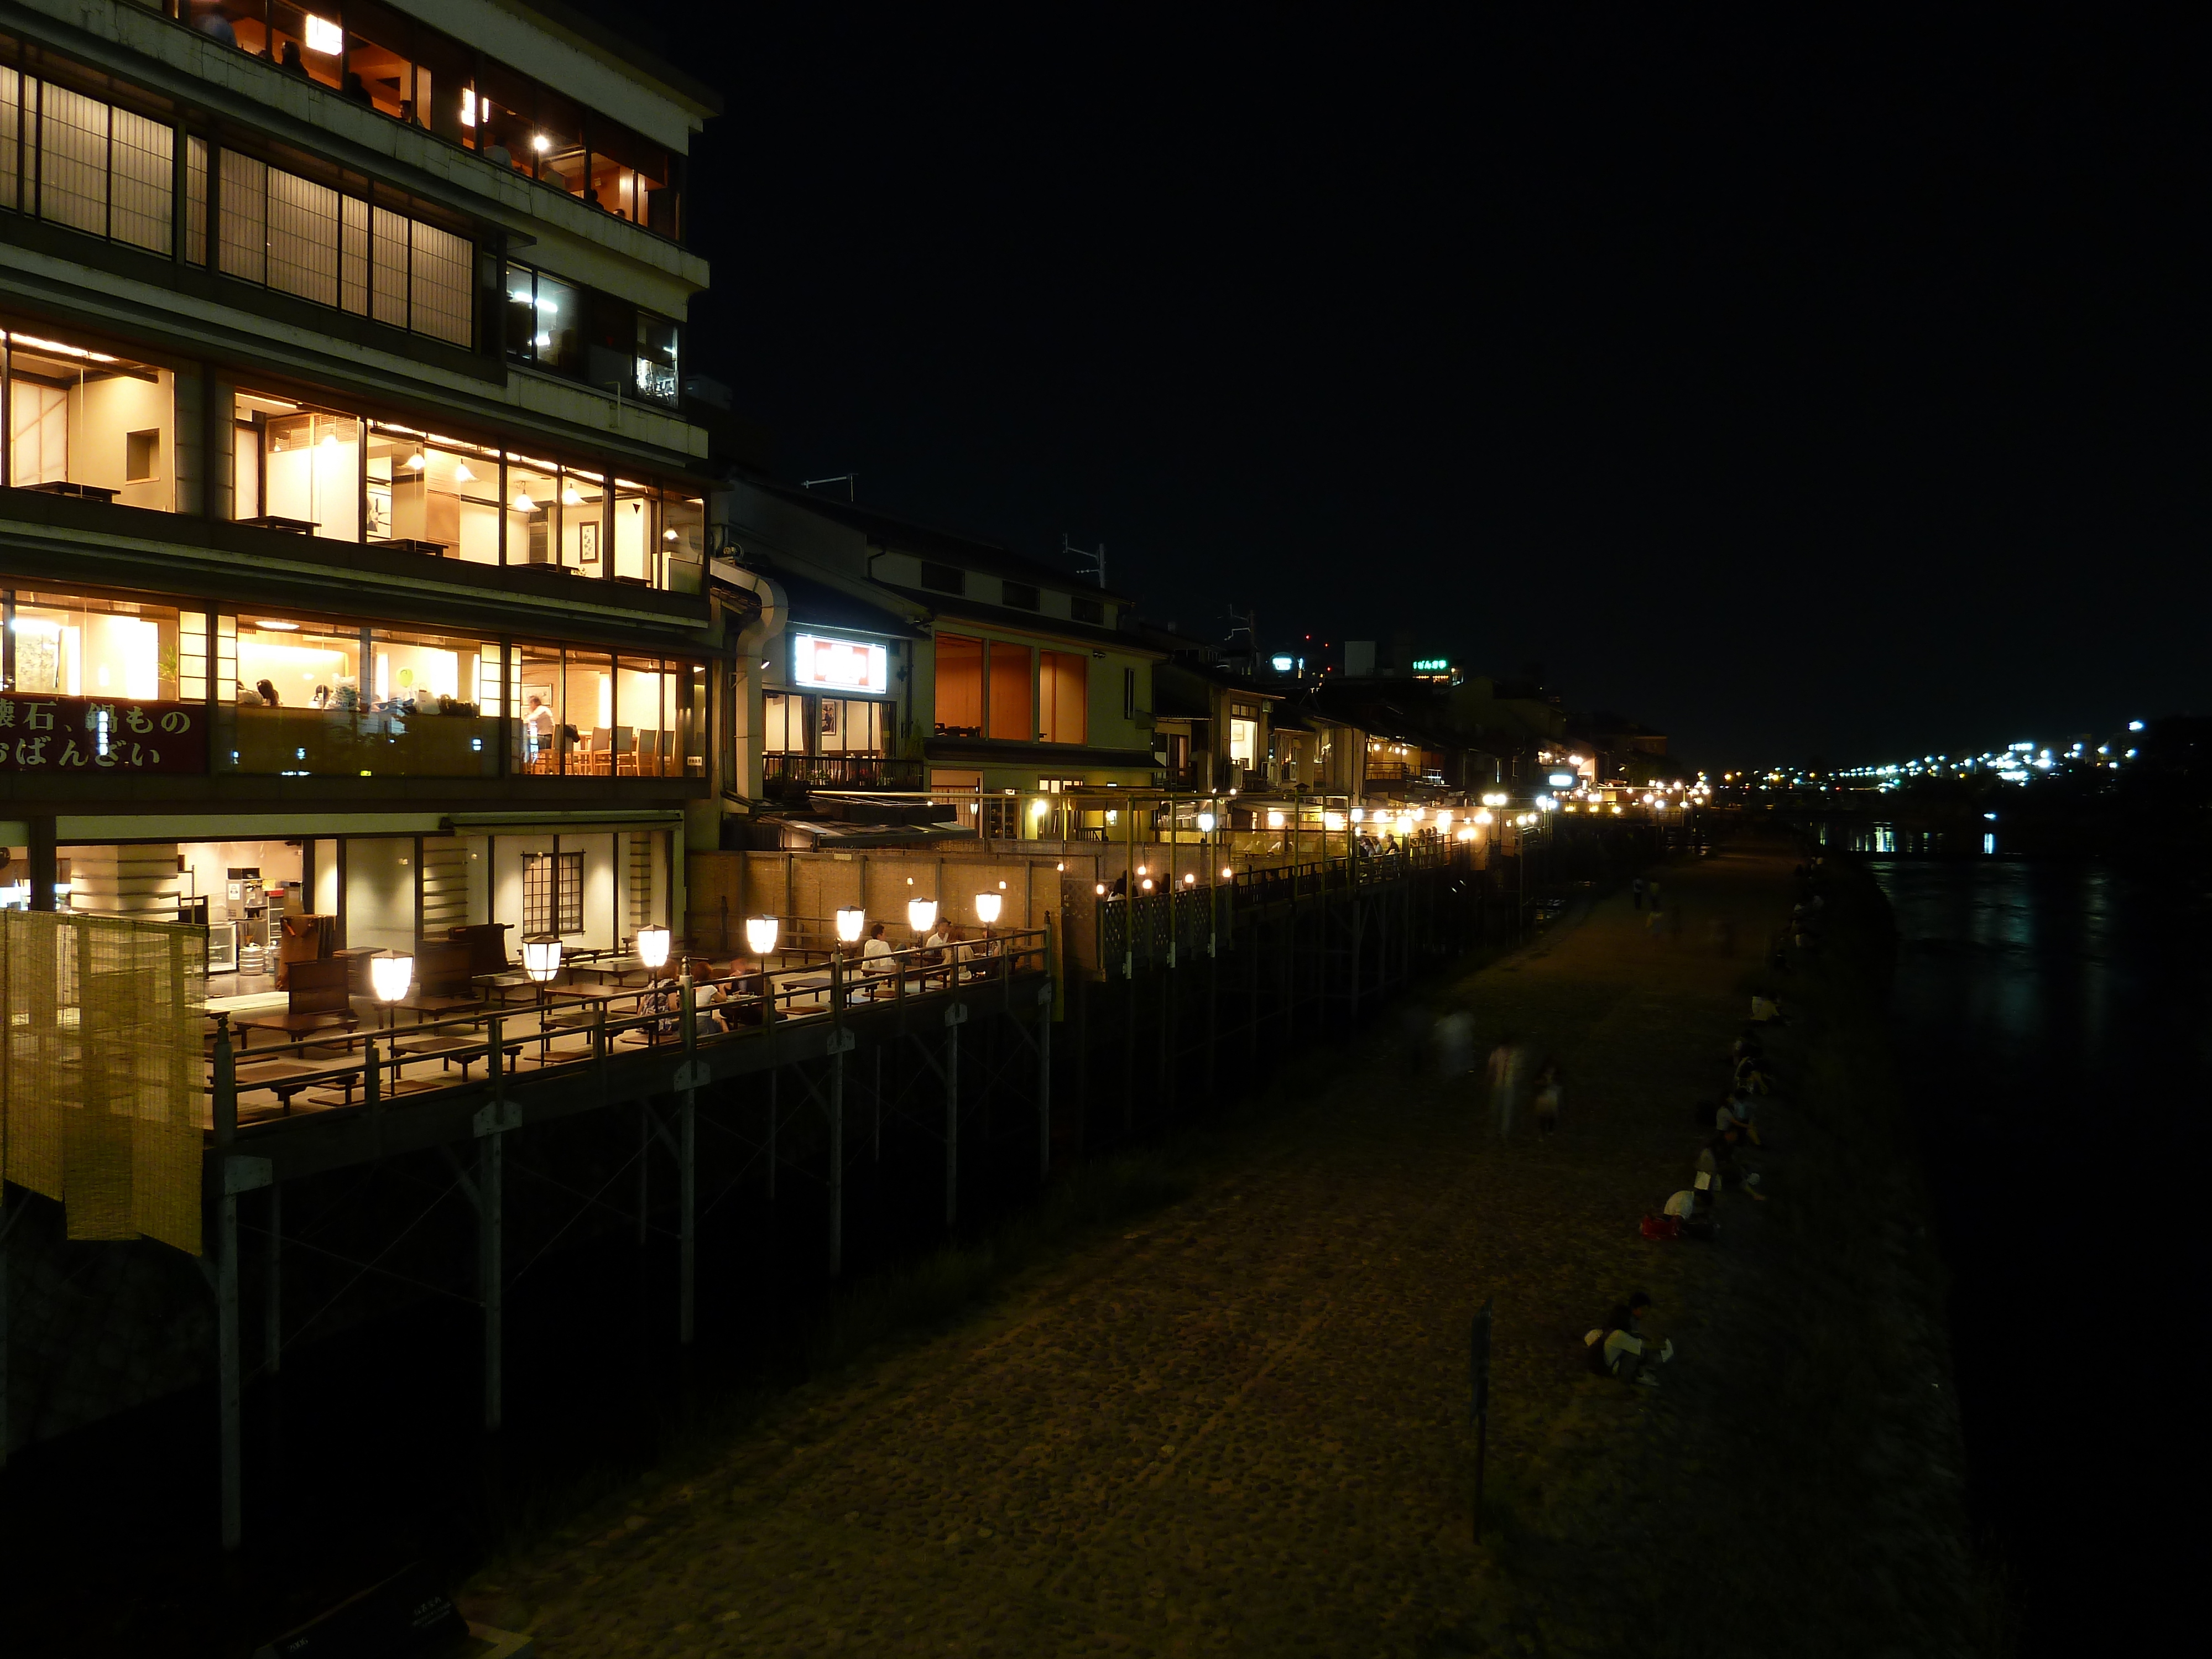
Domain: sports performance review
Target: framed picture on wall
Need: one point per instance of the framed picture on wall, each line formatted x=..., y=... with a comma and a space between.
x=587, y=543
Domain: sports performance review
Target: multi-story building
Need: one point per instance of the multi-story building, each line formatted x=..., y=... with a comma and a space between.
x=353, y=552
x=914, y=657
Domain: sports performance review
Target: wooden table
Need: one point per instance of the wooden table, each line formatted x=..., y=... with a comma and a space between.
x=447, y=1049
x=297, y=1027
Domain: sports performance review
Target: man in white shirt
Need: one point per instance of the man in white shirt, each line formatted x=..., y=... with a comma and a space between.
x=876, y=956
x=537, y=720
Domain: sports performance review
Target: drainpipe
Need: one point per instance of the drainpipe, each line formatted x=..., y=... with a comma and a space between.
x=758, y=638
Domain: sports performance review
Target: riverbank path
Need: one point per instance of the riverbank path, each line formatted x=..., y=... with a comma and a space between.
x=1241, y=1427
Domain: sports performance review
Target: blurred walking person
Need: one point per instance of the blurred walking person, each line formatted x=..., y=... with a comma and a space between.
x=1507, y=1060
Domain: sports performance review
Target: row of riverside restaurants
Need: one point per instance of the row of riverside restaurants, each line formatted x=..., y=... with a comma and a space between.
x=368, y=553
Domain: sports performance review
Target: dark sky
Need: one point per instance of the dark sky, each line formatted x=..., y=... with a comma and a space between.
x=1830, y=389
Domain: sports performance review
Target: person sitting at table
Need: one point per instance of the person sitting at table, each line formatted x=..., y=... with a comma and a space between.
x=268, y=692
x=936, y=946
x=876, y=955
x=974, y=955
x=663, y=998
x=736, y=1000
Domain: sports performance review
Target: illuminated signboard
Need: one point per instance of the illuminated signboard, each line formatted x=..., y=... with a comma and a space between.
x=827, y=665
x=1431, y=664
x=1562, y=780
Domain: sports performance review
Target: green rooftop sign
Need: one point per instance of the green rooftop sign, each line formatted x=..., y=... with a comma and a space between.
x=1431, y=664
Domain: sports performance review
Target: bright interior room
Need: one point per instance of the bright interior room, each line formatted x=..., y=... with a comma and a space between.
x=87, y=422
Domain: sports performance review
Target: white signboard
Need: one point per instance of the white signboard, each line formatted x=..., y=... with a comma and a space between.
x=827, y=665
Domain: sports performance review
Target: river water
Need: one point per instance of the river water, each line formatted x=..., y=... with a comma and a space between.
x=2054, y=1027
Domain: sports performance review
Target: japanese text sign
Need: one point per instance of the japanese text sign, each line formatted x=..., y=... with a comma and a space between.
x=100, y=734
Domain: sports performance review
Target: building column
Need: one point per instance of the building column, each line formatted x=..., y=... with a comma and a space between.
x=44, y=863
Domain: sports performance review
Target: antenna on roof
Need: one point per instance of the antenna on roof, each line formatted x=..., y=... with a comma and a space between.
x=850, y=480
x=1097, y=567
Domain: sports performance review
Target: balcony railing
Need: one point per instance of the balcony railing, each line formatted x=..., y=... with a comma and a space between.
x=785, y=772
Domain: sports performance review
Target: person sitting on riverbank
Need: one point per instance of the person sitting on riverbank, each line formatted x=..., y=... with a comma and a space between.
x=1735, y=1114
x=1692, y=1211
x=1767, y=1011
x=1717, y=1163
x=1752, y=1077
x=1619, y=1349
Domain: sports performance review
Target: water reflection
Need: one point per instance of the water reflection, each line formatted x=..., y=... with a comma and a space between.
x=2053, y=1024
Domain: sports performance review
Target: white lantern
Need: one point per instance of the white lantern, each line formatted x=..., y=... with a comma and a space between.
x=541, y=957
x=391, y=974
x=759, y=935
x=987, y=907
x=851, y=919
x=1147, y=884
x=652, y=946
x=1275, y=820
x=1206, y=824
x=1359, y=814
x=1482, y=816
x=1228, y=874
x=920, y=914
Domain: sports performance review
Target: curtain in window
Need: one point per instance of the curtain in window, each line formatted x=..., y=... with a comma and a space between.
x=244, y=217
x=387, y=260
x=196, y=197
x=303, y=238
x=11, y=152
x=440, y=297
x=72, y=159
x=353, y=254
x=142, y=154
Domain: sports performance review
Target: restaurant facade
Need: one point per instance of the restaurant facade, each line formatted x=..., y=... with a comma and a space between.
x=354, y=538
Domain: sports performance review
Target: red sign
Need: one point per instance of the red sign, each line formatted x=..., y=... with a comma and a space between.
x=101, y=734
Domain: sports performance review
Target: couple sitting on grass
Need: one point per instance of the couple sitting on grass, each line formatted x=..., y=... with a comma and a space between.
x=1618, y=1348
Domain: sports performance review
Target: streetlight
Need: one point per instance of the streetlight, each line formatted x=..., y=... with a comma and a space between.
x=389, y=975
x=541, y=960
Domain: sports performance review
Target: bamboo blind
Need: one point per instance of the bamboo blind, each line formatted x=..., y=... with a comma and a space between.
x=99, y=1083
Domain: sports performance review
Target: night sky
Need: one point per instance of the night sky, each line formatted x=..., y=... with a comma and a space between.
x=1830, y=390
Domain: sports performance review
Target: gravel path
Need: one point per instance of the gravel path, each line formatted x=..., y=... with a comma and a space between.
x=1241, y=1429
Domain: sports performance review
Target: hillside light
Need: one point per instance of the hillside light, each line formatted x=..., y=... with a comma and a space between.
x=653, y=947
x=851, y=919
x=920, y=915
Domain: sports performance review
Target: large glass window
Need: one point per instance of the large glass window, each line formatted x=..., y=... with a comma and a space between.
x=604, y=342
x=297, y=468
x=307, y=239
x=86, y=423
x=1064, y=697
x=305, y=706
x=433, y=495
x=70, y=646
x=545, y=321
x=1012, y=704
x=959, y=686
